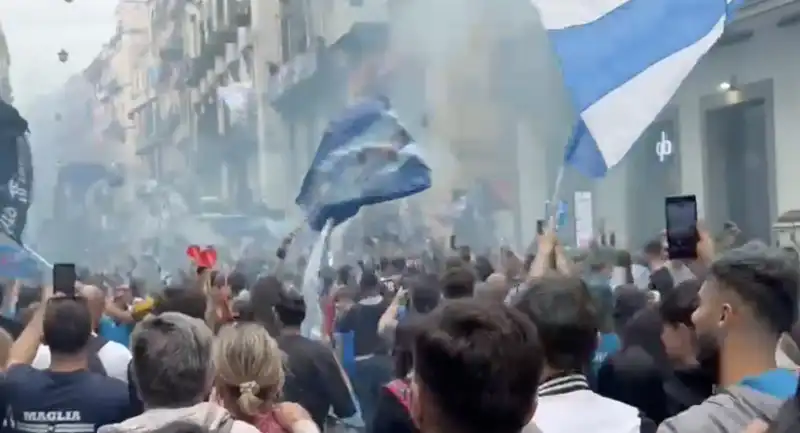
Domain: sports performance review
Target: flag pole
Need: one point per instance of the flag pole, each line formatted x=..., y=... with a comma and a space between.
x=551, y=212
x=37, y=256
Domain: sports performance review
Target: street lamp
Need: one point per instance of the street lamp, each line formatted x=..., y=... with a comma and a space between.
x=63, y=56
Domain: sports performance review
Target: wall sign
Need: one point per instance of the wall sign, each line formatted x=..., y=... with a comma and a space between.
x=663, y=147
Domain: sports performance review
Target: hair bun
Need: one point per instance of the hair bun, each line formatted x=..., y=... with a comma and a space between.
x=250, y=387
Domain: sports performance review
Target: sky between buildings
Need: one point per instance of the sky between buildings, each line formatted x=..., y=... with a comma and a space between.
x=38, y=29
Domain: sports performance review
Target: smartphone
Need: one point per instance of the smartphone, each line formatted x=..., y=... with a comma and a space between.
x=64, y=277
x=539, y=227
x=681, y=218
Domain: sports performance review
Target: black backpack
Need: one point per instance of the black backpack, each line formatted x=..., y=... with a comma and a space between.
x=95, y=364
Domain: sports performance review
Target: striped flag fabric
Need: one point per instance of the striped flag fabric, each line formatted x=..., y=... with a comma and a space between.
x=622, y=61
x=365, y=157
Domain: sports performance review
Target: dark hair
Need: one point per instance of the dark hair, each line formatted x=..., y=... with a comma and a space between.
x=661, y=281
x=237, y=281
x=481, y=363
x=653, y=247
x=263, y=297
x=137, y=286
x=628, y=300
x=465, y=253
x=643, y=330
x=182, y=299
x=243, y=311
x=369, y=282
x=291, y=308
x=458, y=283
x=67, y=325
x=566, y=320
x=764, y=278
x=453, y=262
x=399, y=264
x=483, y=268
x=424, y=293
x=677, y=305
x=343, y=274
x=625, y=261
x=403, y=349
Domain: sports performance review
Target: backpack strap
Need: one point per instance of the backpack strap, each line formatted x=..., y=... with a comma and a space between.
x=401, y=389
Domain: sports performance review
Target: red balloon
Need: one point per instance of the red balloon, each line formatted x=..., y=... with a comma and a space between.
x=193, y=252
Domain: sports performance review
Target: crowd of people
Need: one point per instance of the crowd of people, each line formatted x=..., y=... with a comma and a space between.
x=549, y=343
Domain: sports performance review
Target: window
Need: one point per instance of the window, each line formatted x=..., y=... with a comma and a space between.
x=285, y=35
x=220, y=14
x=300, y=37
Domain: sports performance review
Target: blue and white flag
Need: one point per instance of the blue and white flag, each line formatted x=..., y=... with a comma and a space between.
x=622, y=62
x=365, y=157
x=312, y=324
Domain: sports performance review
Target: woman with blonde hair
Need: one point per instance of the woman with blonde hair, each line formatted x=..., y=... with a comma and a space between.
x=249, y=379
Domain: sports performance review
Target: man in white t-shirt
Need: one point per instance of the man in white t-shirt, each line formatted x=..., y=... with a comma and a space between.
x=105, y=356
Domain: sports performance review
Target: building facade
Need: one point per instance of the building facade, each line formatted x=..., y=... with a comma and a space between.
x=191, y=136
x=727, y=137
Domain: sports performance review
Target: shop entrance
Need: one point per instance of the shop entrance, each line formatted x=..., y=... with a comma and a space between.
x=739, y=159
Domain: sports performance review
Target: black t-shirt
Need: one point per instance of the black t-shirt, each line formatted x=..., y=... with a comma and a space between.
x=314, y=379
x=76, y=402
x=391, y=416
x=362, y=320
x=13, y=327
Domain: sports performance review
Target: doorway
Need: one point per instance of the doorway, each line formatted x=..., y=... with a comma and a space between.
x=739, y=161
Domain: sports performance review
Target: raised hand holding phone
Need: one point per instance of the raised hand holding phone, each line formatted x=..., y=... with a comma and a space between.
x=64, y=278
x=682, y=234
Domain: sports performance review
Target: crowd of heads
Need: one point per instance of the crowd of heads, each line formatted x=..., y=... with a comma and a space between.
x=475, y=346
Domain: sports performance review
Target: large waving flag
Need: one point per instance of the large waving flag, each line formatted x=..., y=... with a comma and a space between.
x=365, y=157
x=16, y=173
x=622, y=62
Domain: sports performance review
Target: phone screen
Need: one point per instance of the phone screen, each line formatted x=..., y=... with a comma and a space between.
x=64, y=277
x=681, y=219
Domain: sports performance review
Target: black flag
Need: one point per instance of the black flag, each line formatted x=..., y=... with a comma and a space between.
x=16, y=172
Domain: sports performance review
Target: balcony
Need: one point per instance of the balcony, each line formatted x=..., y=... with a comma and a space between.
x=215, y=39
x=108, y=90
x=223, y=19
x=243, y=13
x=197, y=69
x=345, y=14
x=173, y=50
